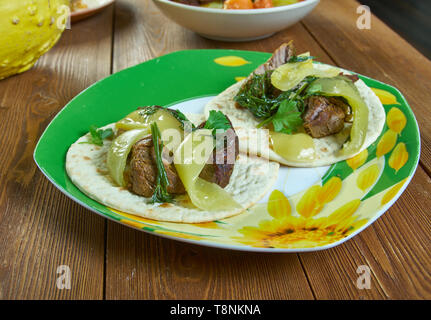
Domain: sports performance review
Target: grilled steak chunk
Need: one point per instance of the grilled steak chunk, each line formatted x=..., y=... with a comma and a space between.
x=324, y=116
x=280, y=56
x=220, y=167
x=352, y=77
x=142, y=172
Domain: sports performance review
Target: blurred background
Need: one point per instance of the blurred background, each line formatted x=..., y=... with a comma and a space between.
x=410, y=18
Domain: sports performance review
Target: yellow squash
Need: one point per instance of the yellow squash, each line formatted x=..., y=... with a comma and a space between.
x=28, y=29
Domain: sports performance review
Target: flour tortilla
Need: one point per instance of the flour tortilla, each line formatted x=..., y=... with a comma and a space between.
x=256, y=141
x=251, y=179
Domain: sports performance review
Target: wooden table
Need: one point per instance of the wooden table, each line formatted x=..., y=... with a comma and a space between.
x=41, y=229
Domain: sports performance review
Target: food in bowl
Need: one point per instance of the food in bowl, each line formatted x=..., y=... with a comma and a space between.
x=76, y=5
x=238, y=4
x=235, y=25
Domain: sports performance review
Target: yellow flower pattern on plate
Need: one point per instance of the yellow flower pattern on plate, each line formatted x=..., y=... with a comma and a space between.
x=358, y=160
x=367, y=177
x=231, y=61
x=288, y=231
x=396, y=120
x=386, y=143
x=385, y=97
x=398, y=157
x=389, y=195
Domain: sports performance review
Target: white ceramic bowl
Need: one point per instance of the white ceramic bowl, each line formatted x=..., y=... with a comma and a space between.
x=235, y=25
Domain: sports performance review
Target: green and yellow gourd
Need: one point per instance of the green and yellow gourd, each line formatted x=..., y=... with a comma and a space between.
x=28, y=29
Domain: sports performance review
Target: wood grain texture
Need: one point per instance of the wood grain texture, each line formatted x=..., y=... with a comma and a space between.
x=141, y=266
x=397, y=248
x=378, y=53
x=40, y=228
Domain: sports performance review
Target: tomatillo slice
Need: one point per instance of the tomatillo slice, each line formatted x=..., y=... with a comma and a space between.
x=189, y=160
x=298, y=147
x=290, y=74
x=119, y=151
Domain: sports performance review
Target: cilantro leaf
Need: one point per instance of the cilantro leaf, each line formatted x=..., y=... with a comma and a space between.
x=259, y=96
x=98, y=135
x=288, y=117
x=217, y=120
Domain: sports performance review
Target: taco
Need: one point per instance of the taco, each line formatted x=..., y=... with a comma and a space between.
x=158, y=164
x=305, y=114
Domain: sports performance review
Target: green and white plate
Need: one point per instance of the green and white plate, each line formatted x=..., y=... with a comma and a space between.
x=308, y=209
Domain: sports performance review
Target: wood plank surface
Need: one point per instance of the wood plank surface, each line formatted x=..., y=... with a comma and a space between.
x=397, y=248
x=141, y=266
x=40, y=228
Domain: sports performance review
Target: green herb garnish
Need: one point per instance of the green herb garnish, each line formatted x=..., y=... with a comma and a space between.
x=148, y=110
x=260, y=97
x=160, y=194
x=98, y=135
x=180, y=117
x=281, y=108
x=217, y=121
x=288, y=117
x=300, y=58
